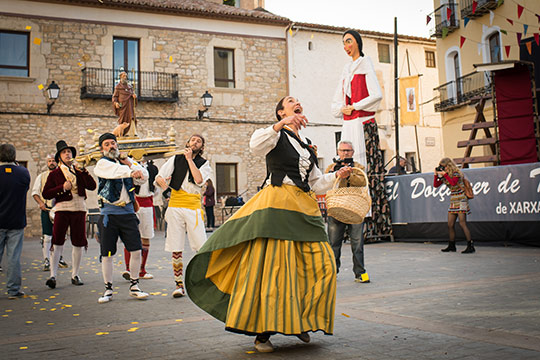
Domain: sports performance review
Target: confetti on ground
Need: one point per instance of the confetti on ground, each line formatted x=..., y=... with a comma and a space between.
x=53, y=309
x=79, y=64
x=42, y=309
x=164, y=294
x=29, y=322
x=23, y=348
x=133, y=329
x=345, y=315
x=50, y=323
x=179, y=320
x=76, y=314
x=66, y=305
x=9, y=310
x=28, y=27
x=5, y=315
x=36, y=303
x=102, y=333
x=52, y=296
x=37, y=41
x=58, y=304
x=134, y=322
x=155, y=293
x=250, y=352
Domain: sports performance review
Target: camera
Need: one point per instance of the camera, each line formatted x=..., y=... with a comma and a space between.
x=440, y=168
x=342, y=163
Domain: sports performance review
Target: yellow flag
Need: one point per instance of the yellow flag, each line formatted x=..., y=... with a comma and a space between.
x=408, y=98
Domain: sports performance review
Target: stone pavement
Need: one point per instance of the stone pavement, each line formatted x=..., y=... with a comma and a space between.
x=421, y=304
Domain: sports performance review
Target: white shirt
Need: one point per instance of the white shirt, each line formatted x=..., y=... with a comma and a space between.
x=206, y=172
x=113, y=170
x=144, y=191
x=265, y=139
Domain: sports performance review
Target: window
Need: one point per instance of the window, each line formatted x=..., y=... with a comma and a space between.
x=14, y=53
x=384, y=53
x=494, y=47
x=337, y=137
x=226, y=179
x=224, y=68
x=430, y=59
x=411, y=161
x=457, y=74
x=126, y=58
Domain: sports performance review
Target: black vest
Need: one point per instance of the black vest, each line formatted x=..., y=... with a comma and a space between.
x=181, y=168
x=152, y=173
x=283, y=161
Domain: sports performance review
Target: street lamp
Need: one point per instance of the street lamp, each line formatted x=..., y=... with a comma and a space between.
x=53, y=90
x=206, y=103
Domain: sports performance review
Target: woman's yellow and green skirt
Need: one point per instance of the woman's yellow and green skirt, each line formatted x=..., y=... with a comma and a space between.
x=269, y=268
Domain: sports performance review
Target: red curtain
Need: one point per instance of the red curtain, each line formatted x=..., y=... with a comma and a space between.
x=515, y=115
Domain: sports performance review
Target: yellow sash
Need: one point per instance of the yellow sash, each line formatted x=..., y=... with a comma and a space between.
x=182, y=199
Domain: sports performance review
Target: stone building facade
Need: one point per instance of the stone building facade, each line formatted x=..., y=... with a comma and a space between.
x=65, y=38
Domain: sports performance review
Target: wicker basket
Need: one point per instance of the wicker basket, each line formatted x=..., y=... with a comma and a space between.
x=349, y=204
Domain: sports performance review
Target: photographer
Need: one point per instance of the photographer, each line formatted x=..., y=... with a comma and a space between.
x=448, y=173
x=336, y=229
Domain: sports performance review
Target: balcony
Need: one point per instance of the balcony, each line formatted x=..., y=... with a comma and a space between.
x=442, y=21
x=149, y=86
x=482, y=7
x=460, y=92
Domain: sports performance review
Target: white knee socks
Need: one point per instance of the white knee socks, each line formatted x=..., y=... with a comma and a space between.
x=46, y=247
x=56, y=253
x=76, y=256
x=135, y=264
x=107, y=268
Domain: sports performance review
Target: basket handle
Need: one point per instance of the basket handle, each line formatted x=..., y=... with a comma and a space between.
x=354, y=168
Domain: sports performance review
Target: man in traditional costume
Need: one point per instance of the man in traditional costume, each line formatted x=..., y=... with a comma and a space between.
x=270, y=269
x=188, y=173
x=67, y=185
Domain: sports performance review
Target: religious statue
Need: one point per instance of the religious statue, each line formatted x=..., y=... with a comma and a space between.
x=124, y=101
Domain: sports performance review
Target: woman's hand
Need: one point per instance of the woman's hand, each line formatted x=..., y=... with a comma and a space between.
x=344, y=172
x=347, y=110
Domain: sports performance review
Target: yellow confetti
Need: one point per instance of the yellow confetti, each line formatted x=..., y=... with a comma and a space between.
x=109, y=253
x=23, y=348
x=9, y=310
x=52, y=297
x=28, y=27
x=79, y=64
x=345, y=315
x=5, y=315
x=66, y=305
x=36, y=303
x=50, y=323
x=134, y=322
x=164, y=294
x=58, y=304
x=312, y=36
x=29, y=322
x=179, y=320
x=40, y=86
x=90, y=131
x=133, y=329
x=53, y=309
x=250, y=352
x=76, y=314
x=37, y=41
x=102, y=333
x=170, y=58
x=42, y=309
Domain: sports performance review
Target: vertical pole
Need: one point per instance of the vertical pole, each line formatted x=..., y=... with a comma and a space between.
x=396, y=102
x=415, y=127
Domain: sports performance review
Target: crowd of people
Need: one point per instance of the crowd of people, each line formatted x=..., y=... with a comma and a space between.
x=272, y=267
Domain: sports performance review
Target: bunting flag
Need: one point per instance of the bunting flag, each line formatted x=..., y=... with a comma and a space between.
x=448, y=13
x=461, y=41
x=474, y=5
x=510, y=21
x=504, y=32
x=519, y=9
x=499, y=3
x=444, y=32
x=529, y=46
x=408, y=99
x=507, y=49
x=525, y=27
x=518, y=37
x=465, y=21
x=537, y=39
x=491, y=16
x=428, y=19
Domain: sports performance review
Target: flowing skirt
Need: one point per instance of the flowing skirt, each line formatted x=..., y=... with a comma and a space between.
x=269, y=268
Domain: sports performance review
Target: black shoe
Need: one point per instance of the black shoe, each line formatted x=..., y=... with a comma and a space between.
x=469, y=250
x=77, y=281
x=62, y=264
x=450, y=248
x=51, y=282
x=18, y=295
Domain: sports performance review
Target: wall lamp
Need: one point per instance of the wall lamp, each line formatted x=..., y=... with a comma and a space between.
x=206, y=103
x=53, y=90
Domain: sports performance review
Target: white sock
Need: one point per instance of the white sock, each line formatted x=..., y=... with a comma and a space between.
x=47, y=247
x=107, y=268
x=56, y=253
x=135, y=264
x=76, y=256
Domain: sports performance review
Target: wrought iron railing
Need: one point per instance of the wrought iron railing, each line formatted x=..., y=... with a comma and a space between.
x=445, y=18
x=459, y=92
x=149, y=86
x=482, y=7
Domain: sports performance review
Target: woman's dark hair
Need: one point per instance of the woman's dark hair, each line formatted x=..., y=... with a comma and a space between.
x=358, y=39
x=7, y=153
x=279, y=106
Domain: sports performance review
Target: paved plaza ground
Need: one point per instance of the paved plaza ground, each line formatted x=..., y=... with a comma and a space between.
x=421, y=304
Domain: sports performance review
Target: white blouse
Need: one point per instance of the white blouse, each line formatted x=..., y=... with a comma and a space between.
x=265, y=139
